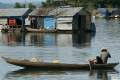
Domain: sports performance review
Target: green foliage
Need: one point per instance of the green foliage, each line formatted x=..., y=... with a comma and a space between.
x=84, y=3
x=17, y=5
x=29, y=5
x=54, y=3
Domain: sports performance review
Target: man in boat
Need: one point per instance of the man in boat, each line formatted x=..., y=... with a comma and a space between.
x=98, y=60
x=104, y=55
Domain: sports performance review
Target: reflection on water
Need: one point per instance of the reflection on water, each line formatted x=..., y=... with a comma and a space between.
x=102, y=75
x=11, y=39
x=68, y=48
x=55, y=74
x=35, y=72
x=82, y=39
x=40, y=39
x=45, y=39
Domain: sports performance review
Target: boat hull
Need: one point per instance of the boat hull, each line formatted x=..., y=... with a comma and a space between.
x=47, y=31
x=46, y=65
x=39, y=30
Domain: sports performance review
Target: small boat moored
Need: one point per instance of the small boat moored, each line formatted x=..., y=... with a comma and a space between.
x=40, y=30
x=27, y=64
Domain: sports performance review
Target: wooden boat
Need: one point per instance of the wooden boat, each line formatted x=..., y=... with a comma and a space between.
x=47, y=31
x=39, y=30
x=46, y=65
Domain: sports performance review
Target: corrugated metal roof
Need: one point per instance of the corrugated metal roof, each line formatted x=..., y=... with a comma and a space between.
x=13, y=12
x=34, y=12
x=65, y=11
x=60, y=11
x=40, y=12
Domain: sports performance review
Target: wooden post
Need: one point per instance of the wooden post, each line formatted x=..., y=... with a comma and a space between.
x=22, y=26
x=55, y=23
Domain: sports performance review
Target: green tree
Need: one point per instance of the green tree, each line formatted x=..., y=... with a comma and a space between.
x=17, y=5
x=31, y=6
x=84, y=3
x=23, y=5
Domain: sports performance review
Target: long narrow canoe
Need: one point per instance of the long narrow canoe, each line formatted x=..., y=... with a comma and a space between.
x=45, y=65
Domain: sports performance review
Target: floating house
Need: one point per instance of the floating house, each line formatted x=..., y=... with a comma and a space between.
x=108, y=12
x=59, y=19
x=64, y=16
x=14, y=17
x=40, y=20
x=82, y=21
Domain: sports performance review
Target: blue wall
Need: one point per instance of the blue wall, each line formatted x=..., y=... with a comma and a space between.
x=49, y=23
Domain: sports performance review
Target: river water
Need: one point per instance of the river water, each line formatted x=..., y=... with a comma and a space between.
x=67, y=48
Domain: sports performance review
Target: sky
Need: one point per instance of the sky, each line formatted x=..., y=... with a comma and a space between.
x=23, y=1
